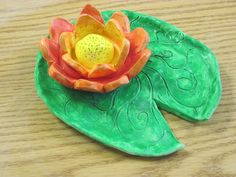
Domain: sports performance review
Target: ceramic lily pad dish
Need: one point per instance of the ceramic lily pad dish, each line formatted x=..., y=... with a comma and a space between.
x=175, y=72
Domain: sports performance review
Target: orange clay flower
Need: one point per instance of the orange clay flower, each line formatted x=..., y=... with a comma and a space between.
x=94, y=56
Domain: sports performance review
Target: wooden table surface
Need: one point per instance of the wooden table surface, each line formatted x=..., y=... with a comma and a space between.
x=33, y=142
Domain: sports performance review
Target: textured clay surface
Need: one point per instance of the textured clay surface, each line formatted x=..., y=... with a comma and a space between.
x=181, y=76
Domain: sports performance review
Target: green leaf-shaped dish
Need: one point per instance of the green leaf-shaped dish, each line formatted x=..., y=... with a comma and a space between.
x=181, y=76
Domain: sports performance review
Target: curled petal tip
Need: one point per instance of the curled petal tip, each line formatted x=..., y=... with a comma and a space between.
x=56, y=73
x=58, y=26
x=44, y=47
x=75, y=65
x=114, y=32
x=122, y=20
x=102, y=70
x=86, y=24
x=92, y=11
x=67, y=42
x=140, y=63
x=86, y=85
x=49, y=50
x=123, y=54
x=116, y=83
x=139, y=40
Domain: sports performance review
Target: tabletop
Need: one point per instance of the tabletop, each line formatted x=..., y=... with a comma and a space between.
x=33, y=142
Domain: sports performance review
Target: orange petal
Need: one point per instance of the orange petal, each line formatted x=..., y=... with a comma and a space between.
x=122, y=20
x=69, y=70
x=116, y=83
x=137, y=67
x=74, y=64
x=114, y=32
x=59, y=26
x=55, y=72
x=139, y=40
x=87, y=85
x=101, y=70
x=121, y=55
x=86, y=24
x=91, y=10
x=49, y=50
x=67, y=42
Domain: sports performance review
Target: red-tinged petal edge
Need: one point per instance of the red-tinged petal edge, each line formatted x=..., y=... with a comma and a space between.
x=55, y=72
x=69, y=70
x=139, y=64
x=116, y=83
x=139, y=40
x=58, y=26
x=92, y=11
x=50, y=50
x=122, y=20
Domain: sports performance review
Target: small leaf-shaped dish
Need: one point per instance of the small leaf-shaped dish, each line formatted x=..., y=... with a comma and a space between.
x=181, y=76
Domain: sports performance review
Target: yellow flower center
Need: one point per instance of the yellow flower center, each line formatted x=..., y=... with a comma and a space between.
x=94, y=49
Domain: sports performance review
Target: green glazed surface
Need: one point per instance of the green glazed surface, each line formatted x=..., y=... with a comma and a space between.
x=181, y=76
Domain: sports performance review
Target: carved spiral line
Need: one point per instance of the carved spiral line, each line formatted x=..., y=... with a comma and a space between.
x=122, y=106
x=110, y=106
x=166, y=85
x=127, y=110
